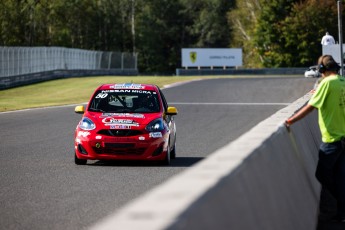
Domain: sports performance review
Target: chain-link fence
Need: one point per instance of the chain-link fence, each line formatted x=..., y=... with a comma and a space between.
x=26, y=60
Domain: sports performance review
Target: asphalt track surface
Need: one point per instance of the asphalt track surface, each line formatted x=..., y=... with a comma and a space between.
x=42, y=188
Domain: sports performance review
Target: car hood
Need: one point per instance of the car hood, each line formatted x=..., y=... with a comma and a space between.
x=122, y=120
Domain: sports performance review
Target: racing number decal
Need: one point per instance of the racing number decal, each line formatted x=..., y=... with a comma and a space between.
x=102, y=95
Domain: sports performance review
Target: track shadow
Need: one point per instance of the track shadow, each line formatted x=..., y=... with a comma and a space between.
x=177, y=162
x=185, y=161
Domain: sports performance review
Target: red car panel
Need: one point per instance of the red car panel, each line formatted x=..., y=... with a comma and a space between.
x=126, y=122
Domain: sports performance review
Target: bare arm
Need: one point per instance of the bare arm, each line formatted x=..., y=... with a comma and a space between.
x=299, y=115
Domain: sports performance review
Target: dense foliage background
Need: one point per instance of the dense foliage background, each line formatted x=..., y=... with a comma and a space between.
x=272, y=33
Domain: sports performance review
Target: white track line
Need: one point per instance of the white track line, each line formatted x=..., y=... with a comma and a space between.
x=225, y=103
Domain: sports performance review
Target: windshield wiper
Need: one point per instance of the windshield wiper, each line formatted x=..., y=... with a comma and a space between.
x=123, y=111
x=97, y=110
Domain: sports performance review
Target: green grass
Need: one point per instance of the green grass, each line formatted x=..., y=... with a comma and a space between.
x=70, y=91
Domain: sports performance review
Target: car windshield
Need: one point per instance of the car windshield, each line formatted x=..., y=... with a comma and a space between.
x=125, y=101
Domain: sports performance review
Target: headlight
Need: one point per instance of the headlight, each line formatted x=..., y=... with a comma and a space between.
x=155, y=125
x=87, y=124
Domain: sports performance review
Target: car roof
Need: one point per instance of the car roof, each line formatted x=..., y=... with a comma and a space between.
x=128, y=86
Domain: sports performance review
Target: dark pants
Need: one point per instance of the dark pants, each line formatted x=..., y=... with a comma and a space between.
x=330, y=171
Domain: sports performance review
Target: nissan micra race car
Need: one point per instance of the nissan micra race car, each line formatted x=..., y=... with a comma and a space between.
x=126, y=122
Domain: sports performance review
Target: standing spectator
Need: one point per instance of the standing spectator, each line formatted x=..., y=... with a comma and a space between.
x=327, y=39
x=329, y=100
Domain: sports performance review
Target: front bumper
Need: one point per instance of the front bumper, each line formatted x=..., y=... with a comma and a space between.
x=149, y=146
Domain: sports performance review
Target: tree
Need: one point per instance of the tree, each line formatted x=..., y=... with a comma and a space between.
x=14, y=21
x=165, y=27
x=303, y=29
x=206, y=22
x=243, y=20
x=268, y=39
x=158, y=33
x=271, y=33
x=289, y=32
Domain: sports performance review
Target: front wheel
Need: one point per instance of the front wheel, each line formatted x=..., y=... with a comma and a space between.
x=78, y=161
x=173, y=152
x=167, y=158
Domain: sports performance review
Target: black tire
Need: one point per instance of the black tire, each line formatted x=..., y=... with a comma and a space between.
x=78, y=161
x=173, y=152
x=166, y=161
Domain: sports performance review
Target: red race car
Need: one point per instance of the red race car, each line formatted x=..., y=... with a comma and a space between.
x=126, y=122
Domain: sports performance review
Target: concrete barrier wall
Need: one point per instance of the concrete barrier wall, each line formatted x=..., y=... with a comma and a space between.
x=263, y=180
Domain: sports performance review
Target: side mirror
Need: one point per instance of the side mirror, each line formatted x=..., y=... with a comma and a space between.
x=79, y=109
x=171, y=111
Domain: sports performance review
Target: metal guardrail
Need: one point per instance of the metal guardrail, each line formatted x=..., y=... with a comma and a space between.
x=234, y=71
x=27, y=60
